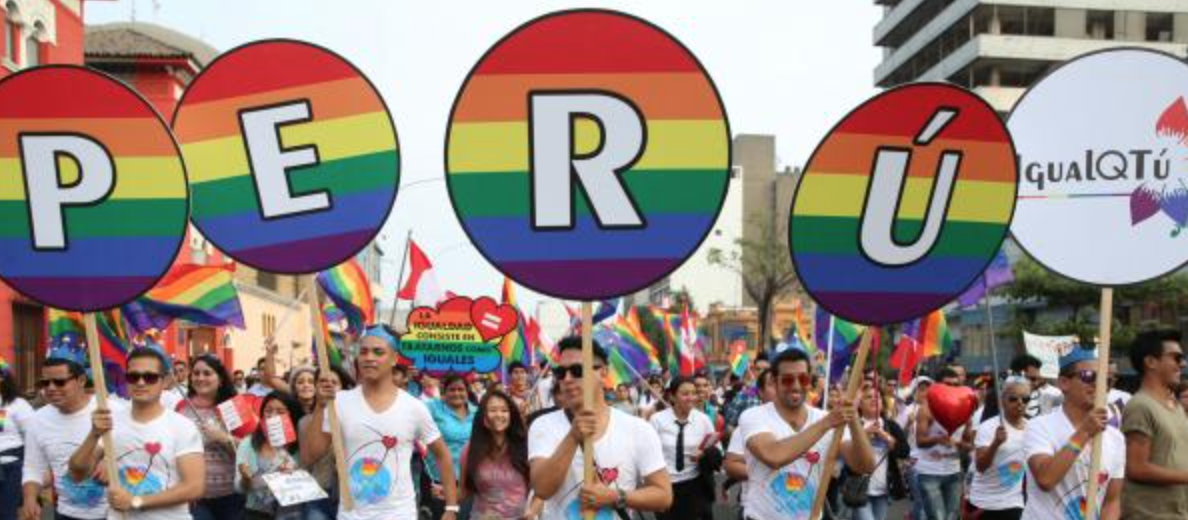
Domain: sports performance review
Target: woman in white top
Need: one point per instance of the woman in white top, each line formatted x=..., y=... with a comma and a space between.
x=1000, y=461
x=14, y=413
x=685, y=432
x=890, y=446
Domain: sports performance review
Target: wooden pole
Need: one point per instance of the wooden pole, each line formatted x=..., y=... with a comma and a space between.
x=853, y=385
x=344, y=488
x=1099, y=401
x=100, y=380
x=588, y=388
x=994, y=380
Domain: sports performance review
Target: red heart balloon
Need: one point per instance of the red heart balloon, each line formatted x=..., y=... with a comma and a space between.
x=951, y=406
x=492, y=320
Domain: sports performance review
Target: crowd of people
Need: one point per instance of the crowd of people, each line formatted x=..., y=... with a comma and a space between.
x=674, y=447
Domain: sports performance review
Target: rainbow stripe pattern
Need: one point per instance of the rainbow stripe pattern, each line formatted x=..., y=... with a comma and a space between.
x=829, y=205
x=199, y=294
x=116, y=248
x=678, y=183
x=350, y=128
x=347, y=286
x=934, y=336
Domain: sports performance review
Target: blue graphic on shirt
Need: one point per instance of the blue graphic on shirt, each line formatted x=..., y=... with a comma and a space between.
x=792, y=492
x=1010, y=474
x=574, y=512
x=138, y=481
x=87, y=494
x=370, y=479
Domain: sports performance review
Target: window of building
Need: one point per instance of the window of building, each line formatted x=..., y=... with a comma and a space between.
x=268, y=324
x=1099, y=25
x=1160, y=27
x=12, y=34
x=267, y=280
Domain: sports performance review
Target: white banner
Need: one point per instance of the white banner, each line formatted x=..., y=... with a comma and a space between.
x=294, y=487
x=1048, y=349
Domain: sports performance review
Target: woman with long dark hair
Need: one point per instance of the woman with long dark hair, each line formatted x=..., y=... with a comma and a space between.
x=257, y=457
x=495, y=463
x=15, y=412
x=323, y=469
x=211, y=385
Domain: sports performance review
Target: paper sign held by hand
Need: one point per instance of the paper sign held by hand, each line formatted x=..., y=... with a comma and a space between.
x=280, y=431
x=294, y=487
x=239, y=416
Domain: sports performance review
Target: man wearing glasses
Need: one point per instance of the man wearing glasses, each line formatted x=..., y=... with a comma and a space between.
x=159, y=453
x=1156, y=429
x=628, y=460
x=1056, y=448
x=1044, y=397
x=52, y=437
x=787, y=441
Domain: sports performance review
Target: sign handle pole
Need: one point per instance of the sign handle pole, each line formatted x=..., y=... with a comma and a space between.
x=344, y=487
x=588, y=389
x=853, y=385
x=1099, y=401
x=100, y=380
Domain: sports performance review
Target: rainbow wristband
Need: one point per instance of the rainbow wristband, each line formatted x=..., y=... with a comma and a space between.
x=1075, y=448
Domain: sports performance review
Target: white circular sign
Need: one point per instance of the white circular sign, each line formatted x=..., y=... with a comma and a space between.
x=1103, y=167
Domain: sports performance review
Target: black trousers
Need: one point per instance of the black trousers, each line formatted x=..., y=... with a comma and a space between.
x=1004, y=514
x=689, y=502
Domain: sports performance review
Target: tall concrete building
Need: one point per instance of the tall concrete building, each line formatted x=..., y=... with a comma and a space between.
x=998, y=48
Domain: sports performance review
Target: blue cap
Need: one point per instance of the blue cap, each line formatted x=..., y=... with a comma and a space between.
x=381, y=332
x=1077, y=354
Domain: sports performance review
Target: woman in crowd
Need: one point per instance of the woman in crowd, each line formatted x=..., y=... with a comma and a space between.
x=890, y=446
x=323, y=469
x=999, y=458
x=495, y=474
x=257, y=457
x=454, y=415
x=303, y=382
x=14, y=413
x=211, y=385
x=684, y=432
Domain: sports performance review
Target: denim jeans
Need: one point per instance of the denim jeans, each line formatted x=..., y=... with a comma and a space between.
x=917, y=498
x=875, y=509
x=942, y=496
x=10, y=488
x=227, y=507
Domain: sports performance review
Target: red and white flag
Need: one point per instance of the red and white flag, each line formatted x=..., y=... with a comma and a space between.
x=421, y=286
x=688, y=344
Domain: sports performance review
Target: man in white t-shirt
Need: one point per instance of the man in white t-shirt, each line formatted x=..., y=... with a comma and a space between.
x=1045, y=398
x=1056, y=448
x=159, y=455
x=996, y=490
x=381, y=424
x=787, y=441
x=629, y=463
x=52, y=437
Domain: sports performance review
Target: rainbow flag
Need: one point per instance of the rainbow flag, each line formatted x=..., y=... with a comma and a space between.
x=832, y=197
x=488, y=159
x=641, y=339
x=327, y=338
x=113, y=250
x=357, y=158
x=619, y=369
x=62, y=322
x=845, y=340
x=347, y=286
x=739, y=357
x=114, y=344
x=199, y=294
x=513, y=346
x=934, y=336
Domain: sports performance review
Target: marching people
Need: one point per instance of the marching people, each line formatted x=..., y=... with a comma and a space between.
x=454, y=416
x=628, y=460
x=938, y=459
x=211, y=385
x=15, y=416
x=495, y=473
x=1156, y=429
x=890, y=446
x=323, y=469
x=1044, y=397
x=685, y=434
x=1055, y=446
x=996, y=491
x=257, y=456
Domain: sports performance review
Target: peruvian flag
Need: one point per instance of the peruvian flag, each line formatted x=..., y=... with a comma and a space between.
x=907, y=352
x=688, y=344
x=421, y=286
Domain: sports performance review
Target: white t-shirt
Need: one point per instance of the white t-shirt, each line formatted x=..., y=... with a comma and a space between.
x=147, y=455
x=1001, y=485
x=738, y=444
x=785, y=493
x=172, y=396
x=50, y=440
x=1044, y=401
x=623, y=456
x=938, y=459
x=14, y=419
x=698, y=427
x=1046, y=435
x=378, y=447
x=878, y=479
x=1118, y=397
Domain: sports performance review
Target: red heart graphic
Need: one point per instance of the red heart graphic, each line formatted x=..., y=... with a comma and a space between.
x=608, y=475
x=813, y=457
x=389, y=442
x=491, y=319
x=152, y=448
x=952, y=406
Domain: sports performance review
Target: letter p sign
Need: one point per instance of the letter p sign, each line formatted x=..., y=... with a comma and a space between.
x=43, y=156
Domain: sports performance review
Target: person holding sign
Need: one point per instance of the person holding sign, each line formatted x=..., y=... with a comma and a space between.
x=380, y=424
x=158, y=452
x=1156, y=431
x=997, y=487
x=683, y=431
x=210, y=386
x=1057, y=462
x=628, y=461
x=787, y=441
x=267, y=452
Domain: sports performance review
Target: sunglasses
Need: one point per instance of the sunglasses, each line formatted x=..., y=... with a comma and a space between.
x=1018, y=399
x=787, y=380
x=149, y=378
x=573, y=370
x=57, y=383
x=1087, y=376
x=1178, y=357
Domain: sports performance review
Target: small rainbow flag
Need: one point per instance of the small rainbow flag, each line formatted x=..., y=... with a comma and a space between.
x=62, y=322
x=327, y=338
x=739, y=357
x=678, y=181
x=113, y=348
x=934, y=335
x=198, y=294
x=619, y=369
x=641, y=339
x=347, y=286
x=513, y=346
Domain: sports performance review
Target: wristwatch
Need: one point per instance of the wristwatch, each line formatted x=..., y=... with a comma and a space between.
x=453, y=509
x=137, y=503
x=621, y=501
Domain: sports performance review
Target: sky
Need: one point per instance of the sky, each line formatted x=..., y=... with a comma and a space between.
x=787, y=68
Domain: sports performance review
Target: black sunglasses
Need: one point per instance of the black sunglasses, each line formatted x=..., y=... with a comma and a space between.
x=573, y=370
x=136, y=378
x=1087, y=376
x=1178, y=357
x=1018, y=399
x=57, y=383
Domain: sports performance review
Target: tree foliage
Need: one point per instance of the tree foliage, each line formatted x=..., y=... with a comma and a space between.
x=765, y=266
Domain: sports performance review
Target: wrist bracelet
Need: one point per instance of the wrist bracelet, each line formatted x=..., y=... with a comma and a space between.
x=1075, y=448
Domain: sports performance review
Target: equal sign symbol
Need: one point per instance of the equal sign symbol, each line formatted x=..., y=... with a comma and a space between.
x=491, y=321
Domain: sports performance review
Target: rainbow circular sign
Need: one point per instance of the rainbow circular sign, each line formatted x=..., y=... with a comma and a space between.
x=903, y=204
x=292, y=156
x=93, y=201
x=588, y=154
